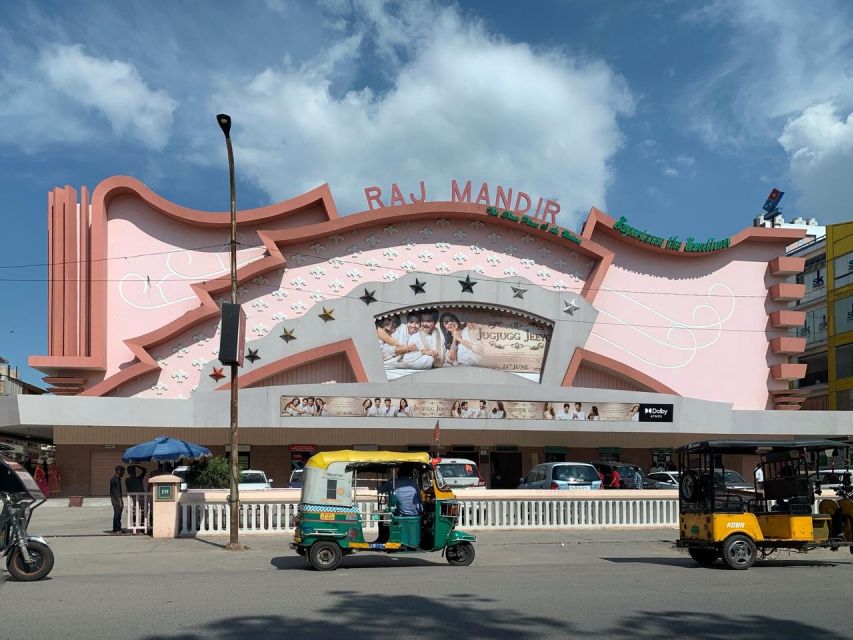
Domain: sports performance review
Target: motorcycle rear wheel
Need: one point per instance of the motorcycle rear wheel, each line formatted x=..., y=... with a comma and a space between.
x=42, y=562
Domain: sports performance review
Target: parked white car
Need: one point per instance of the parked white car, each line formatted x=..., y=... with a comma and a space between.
x=459, y=473
x=253, y=479
x=250, y=479
x=181, y=472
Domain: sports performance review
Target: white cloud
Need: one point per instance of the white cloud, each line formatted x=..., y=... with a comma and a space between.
x=669, y=171
x=461, y=103
x=114, y=89
x=819, y=144
x=781, y=57
x=787, y=68
x=49, y=97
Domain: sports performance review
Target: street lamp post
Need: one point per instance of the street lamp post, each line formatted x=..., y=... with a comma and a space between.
x=224, y=121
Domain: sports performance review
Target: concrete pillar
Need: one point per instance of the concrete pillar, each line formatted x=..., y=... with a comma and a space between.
x=165, y=496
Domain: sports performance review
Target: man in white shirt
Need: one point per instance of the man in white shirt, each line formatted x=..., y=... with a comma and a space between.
x=759, y=478
x=482, y=412
x=566, y=413
x=410, y=334
x=388, y=410
x=465, y=411
x=578, y=413
x=431, y=338
x=376, y=408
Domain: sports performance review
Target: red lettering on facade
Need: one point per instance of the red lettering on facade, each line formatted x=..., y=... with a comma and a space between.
x=484, y=195
x=373, y=194
x=396, y=196
x=503, y=199
x=551, y=208
x=463, y=196
x=423, y=194
x=517, y=207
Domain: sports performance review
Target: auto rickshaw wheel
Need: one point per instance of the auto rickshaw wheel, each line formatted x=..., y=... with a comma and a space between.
x=325, y=556
x=705, y=557
x=739, y=552
x=460, y=555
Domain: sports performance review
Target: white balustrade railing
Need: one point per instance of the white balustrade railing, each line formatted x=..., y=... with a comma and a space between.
x=207, y=513
x=138, y=512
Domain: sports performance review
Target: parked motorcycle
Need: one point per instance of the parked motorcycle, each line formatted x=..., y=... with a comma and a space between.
x=841, y=511
x=28, y=558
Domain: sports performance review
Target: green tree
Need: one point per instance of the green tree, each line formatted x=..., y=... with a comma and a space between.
x=209, y=473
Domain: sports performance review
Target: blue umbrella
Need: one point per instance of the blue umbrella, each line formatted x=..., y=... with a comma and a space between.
x=165, y=449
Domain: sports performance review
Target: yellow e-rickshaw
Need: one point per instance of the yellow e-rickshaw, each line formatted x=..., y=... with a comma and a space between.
x=414, y=510
x=718, y=521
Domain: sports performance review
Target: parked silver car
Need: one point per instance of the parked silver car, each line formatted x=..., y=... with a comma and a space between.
x=562, y=476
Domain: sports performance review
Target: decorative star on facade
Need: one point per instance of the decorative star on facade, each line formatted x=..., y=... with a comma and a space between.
x=287, y=336
x=571, y=306
x=327, y=314
x=418, y=287
x=368, y=298
x=518, y=293
x=467, y=284
x=252, y=356
x=217, y=374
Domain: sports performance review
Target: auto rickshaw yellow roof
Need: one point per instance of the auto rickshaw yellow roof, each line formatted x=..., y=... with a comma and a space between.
x=325, y=458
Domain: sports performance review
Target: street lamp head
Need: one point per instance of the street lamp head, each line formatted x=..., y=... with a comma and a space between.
x=224, y=121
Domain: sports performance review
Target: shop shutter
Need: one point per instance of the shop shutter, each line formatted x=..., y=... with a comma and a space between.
x=102, y=466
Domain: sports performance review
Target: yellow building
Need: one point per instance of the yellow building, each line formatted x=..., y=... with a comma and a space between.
x=839, y=298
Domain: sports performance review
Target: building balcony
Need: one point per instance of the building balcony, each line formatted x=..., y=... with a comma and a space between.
x=787, y=291
x=788, y=371
x=787, y=346
x=787, y=318
x=785, y=266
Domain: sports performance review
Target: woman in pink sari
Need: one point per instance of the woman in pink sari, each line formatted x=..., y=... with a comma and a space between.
x=41, y=479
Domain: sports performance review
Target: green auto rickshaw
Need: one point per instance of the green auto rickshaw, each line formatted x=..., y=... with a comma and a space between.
x=413, y=511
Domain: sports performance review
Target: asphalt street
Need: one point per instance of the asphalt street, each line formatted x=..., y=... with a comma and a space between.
x=546, y=584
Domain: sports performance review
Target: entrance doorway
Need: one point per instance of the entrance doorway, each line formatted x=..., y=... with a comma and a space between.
x=505, y=469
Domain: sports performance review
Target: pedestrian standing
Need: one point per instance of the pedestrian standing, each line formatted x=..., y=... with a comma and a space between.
x=116, y=498
x=759, y=478
x=615, y=480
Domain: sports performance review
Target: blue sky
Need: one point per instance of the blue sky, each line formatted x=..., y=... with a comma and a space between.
x=680, y=116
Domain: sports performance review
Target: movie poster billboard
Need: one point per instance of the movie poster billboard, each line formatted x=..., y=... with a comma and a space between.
x=475, y=409
x=456, y=336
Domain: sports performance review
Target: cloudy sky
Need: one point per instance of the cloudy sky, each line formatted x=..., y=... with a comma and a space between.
x=680, y=116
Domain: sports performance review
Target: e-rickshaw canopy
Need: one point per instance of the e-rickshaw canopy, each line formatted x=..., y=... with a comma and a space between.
x=328, y=476
x=758, y=447
x=326, y=458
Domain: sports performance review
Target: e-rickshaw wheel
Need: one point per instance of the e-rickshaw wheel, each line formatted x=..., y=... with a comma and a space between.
x=705, y=557
x=739, y=552
x=460, y=555
x=325, y=556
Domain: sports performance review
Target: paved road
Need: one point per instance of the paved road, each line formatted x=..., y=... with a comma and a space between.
x=594, y=584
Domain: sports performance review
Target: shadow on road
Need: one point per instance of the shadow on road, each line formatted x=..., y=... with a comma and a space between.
x=366, y=561
x=679, y=624
x=356, y=615
x=687, y=563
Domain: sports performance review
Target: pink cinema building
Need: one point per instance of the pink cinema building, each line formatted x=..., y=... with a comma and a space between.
x=527, y=342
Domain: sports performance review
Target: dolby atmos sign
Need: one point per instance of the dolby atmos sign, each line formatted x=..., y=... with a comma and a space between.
x=656, y=413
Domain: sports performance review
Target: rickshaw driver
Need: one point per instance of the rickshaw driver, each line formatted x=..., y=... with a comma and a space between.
x=407, y=494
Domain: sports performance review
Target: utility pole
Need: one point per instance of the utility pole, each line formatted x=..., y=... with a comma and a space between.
x=224, y=121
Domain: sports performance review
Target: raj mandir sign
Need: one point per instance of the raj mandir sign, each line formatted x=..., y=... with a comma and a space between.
x=521, y=205
x=543, y=218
